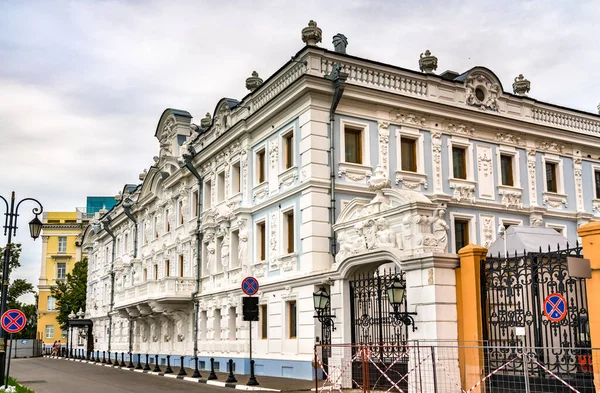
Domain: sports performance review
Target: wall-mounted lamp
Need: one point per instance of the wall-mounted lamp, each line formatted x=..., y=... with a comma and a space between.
x=396, y=292
x=321, y=302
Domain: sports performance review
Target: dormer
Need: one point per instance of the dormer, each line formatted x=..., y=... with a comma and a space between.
x=172, y=131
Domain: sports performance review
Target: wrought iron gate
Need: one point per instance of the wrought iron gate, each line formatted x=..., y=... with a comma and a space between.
x=373, y=322
x=513, y=293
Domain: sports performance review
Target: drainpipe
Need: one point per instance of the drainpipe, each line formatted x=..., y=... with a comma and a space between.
x=338, y=77
x=127, y=203
x=106, y=224
x=187, y=162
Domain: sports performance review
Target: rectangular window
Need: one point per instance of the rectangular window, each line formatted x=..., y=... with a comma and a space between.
x=61, y=273
x=461, y=234
x=181, y=266
x=217, y=325
x=218, y=256
x=207, y=194
x=235, y=244
x=167, y=267
x=551, y=181
x=221, y=186
x=144, y=237
x=62, y=244
x=597, y=183
x=459, y=162
x=353, y=145
x=289, y=228
x=51, y=303
x=49, y=331
x=262, y=241
x=195, y=203
x=408, y=154
x=126, y=243
x=506, y=166
x=264, y=322
x=260, y=166
x=292, y=319
x=180, y=210
x=156, y=227
x=167, y=221
x=156, y=271
x=289, y=150
x=235, y=178
x=145, y=275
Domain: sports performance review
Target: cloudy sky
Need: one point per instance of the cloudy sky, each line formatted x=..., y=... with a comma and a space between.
x=83, y=83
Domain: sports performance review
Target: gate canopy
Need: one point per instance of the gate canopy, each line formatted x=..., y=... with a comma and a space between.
x=521, y=239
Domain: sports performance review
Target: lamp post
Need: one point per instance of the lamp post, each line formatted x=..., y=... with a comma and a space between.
x=10, y=228
x=396, y=292
x=321, y=302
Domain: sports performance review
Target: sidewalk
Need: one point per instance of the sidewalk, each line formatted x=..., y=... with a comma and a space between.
x=273, y=384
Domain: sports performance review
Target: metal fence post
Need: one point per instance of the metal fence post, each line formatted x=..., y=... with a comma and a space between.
x=435, y=382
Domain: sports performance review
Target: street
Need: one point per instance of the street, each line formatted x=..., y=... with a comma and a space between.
x=45, y=375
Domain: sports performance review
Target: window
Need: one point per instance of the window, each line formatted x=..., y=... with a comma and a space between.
x=235, y=178
x=221, y=186
x=408, y=154
x=260, y=166
x=144, y=234
x=156, y=271
x=195, y=203
x=264, y=322
x=119, y=246
x=231, y=328
x=61, y=273
x=289, y=150
x=353, y=145
x=262, y=241
x=459, y=162
x=145, y=274
x=167, y=267
x=203, y=329
x=597, y=183
x=49, y=331
x=461, y=234
x=180, y=211
x=181, y=266
x=167, y=221
x=289, y=231
x=51, y=303
x=551, y=181
x=292, y=319
x=235, y=243
x=217, y=325
x=126, y=243
x=506, y=167
x=207, y=194
x=156, y=227
x=62, y=244
x=218, y=255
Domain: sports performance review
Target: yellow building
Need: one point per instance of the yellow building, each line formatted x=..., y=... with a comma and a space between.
x=61, y=249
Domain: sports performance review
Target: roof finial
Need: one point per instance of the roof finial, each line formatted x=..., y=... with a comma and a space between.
x=427, y=62
x=311, y=35
x=521, y=85
x=253, y=82
x=340, y=42
x=205, y=121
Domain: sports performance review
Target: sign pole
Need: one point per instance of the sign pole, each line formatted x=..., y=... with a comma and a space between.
x=8, y=361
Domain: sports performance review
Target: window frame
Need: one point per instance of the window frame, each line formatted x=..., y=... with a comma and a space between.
x=468, y=148
x=415, y=161
x=285, y=234
x=167, y=272
x=471, y=219
x=207, y=193
x=180, y=265
x=236, y=173
x=62, y=240
x=195, y=196
x=58, y=265
x=264, y=321
x=563, y=228
x=51, y=335
x=558, y=166
x=292, y=319
x=48, y=303
x=220, y=193
x=595, y=169
x=261, y=241
x=365, y=146
x=260, y=165
x=502, y=150
x=288, y=155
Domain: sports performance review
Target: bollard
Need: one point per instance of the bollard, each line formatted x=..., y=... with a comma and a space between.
x=252, y=380
x=146, y=366
x=182, y=370
x=122, y=359
x=80, y=354
x=92, y=359
x=168, y=370
x=103, y=357
x=212, y=374
x=138, y=365
x=231, y=377
x=130, y=364
x=156, y=368
x=196, y=371
x=116, y=363
x=88, y=355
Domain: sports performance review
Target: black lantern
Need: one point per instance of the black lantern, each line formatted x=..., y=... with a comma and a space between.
x=35, y=227
x=396, y=292
x=321, y=302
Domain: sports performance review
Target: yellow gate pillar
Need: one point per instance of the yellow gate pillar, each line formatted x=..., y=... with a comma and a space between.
x=470, y=324
x=590, y=239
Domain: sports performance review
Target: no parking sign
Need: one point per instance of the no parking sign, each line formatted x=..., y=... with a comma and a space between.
x=555, y=307
x=13, y=321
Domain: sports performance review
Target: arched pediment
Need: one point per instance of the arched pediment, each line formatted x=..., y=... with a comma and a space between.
x=221, y=119
x=483, y=88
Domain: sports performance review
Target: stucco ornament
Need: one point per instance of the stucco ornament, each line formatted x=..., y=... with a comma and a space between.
x=440, y=229
x=253, y=82
x=210, y=257
x=243, y=242
x=206, y=121
x=482, y=93
x=427, y=62
x=180, y=329
x=311, y=35
x=521, y=86
x=225, y=249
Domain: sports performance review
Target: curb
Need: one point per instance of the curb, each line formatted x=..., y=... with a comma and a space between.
x=174, y=376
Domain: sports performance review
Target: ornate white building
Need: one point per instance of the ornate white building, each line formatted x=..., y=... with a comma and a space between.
x=331, y=167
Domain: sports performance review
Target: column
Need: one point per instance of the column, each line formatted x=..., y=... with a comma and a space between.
x=44, y=256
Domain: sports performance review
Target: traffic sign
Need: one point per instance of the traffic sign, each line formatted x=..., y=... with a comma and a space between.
x=250, y=286
x=555, y=307
x=13, y=321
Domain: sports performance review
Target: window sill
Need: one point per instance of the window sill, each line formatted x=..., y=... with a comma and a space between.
x=288, y=177
x=235, y=201
x=554, y=199
x=411, y=180
x=288, y=262
x=354, y=172
x=260, y=192
x=464, y=189
x=511, y=196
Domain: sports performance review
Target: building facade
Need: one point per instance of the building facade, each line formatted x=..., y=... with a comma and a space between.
x=61, y=249
x=328, y=172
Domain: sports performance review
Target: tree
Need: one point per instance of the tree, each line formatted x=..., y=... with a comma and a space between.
x=70, y=294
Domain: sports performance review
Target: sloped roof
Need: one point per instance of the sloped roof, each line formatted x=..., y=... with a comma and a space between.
x=528, y=239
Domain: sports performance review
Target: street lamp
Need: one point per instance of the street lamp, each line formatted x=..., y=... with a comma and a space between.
x=321, y=302
x=396, y=292
x=10, y=229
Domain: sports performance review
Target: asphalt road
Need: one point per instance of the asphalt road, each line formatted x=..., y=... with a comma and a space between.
x=45, y=375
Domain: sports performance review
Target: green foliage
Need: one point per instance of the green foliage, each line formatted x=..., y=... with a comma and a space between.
x=20, y=388
x=70, y=294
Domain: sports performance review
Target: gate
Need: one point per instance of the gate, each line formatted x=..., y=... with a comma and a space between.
x=374, y=323
x=513, y=293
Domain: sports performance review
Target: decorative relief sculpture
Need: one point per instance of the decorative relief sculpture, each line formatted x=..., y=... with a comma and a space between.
x=488, y=231
x=440, y=229
x=225, y=248
x=243, y=242
x=354, y=175
x=484, y=163
x=482, y=92
x=273, y=253
x=210, y=256
x=463, y=193
x=511, y=199
x=436, y=142
x=384, y=138
x=550, y=147
x=577, y=170
x=408, y=118
x=384, y=234
x=508, y=138
x=180, y=329
x=461, y=129
x=531, y=164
